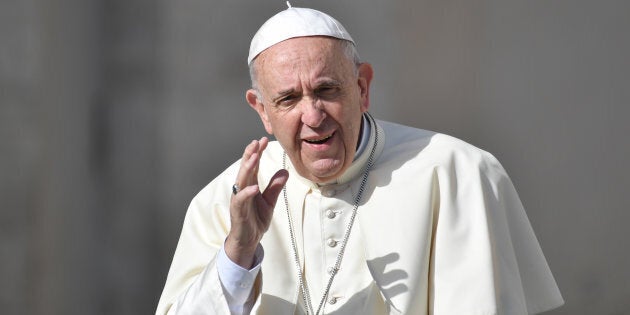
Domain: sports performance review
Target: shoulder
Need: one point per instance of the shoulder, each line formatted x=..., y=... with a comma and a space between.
x=429, y=148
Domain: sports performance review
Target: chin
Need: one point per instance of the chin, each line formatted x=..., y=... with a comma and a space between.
x=325, y=174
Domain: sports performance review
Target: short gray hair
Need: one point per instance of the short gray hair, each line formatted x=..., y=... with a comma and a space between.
x=349, y=50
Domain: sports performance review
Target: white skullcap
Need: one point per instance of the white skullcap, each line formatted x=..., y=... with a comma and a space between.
x=295, y=22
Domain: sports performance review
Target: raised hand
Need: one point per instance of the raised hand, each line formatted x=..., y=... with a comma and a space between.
x=250, y=209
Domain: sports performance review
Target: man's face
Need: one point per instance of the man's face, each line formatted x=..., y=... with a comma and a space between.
x=312, y=99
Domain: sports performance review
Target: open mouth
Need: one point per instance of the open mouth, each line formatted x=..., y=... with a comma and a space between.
x=319, y=141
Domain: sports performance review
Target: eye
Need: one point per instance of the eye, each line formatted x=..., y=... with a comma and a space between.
x=286, y=100
x=328, y=91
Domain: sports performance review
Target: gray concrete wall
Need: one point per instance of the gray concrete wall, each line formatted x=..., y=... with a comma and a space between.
x=113, y=114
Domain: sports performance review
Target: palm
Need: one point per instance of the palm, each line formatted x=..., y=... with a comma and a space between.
x=251, y=210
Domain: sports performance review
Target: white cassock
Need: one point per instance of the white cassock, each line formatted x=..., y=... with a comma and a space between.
x=440, y=230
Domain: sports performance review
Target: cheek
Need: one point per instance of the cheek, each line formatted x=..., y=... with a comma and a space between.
x=268, y=126
x=284, y=128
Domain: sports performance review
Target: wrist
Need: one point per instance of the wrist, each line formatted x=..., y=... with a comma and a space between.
x=241, y=254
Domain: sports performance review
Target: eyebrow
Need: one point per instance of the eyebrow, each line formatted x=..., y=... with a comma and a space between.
x=329, y=82
x=323, y=83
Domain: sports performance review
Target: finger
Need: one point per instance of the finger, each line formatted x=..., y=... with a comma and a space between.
x=244, y=196
x=250, y=170
x=276, y=183
x=251, y=148
x=262, y=145
x=246, y=174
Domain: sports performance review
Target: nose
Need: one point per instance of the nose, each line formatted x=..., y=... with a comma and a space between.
x=313, y=113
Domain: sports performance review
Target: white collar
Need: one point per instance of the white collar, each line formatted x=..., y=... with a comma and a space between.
x=364, y=138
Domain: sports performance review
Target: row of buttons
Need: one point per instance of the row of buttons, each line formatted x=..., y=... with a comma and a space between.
x=330, y=214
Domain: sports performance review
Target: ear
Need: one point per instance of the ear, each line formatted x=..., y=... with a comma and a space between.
x=254, y=99
x=365, y=78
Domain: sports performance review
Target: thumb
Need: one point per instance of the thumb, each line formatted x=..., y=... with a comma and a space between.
x=274, y=188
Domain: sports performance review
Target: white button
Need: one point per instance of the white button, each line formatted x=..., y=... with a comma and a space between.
x=332, y=300
x=331, y=242
x=329, y=192
x=330, y=214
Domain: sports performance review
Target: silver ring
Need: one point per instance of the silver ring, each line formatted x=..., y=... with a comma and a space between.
x=235, y=189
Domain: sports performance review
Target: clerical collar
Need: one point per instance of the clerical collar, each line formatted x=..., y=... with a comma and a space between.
x=364, y=138
x=363, y=154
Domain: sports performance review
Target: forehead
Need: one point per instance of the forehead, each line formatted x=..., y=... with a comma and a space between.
x=303, y=57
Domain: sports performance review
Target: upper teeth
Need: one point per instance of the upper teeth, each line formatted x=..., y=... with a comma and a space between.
x=317, y=140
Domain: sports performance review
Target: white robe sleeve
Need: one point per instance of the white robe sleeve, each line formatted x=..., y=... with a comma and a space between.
x=486, y=258
x=193, y=285
x=237, y=282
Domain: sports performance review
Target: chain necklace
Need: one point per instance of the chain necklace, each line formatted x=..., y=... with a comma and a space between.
x=306, y=297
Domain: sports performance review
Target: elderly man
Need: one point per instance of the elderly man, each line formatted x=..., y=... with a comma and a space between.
x=345, y=214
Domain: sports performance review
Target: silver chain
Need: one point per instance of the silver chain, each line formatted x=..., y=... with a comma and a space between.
x=305, y=293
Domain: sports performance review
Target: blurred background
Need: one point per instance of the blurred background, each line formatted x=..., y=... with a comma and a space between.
x=115, y=113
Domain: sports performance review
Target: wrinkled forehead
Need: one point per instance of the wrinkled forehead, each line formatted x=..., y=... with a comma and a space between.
x=308, y=48
x=307, y=57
